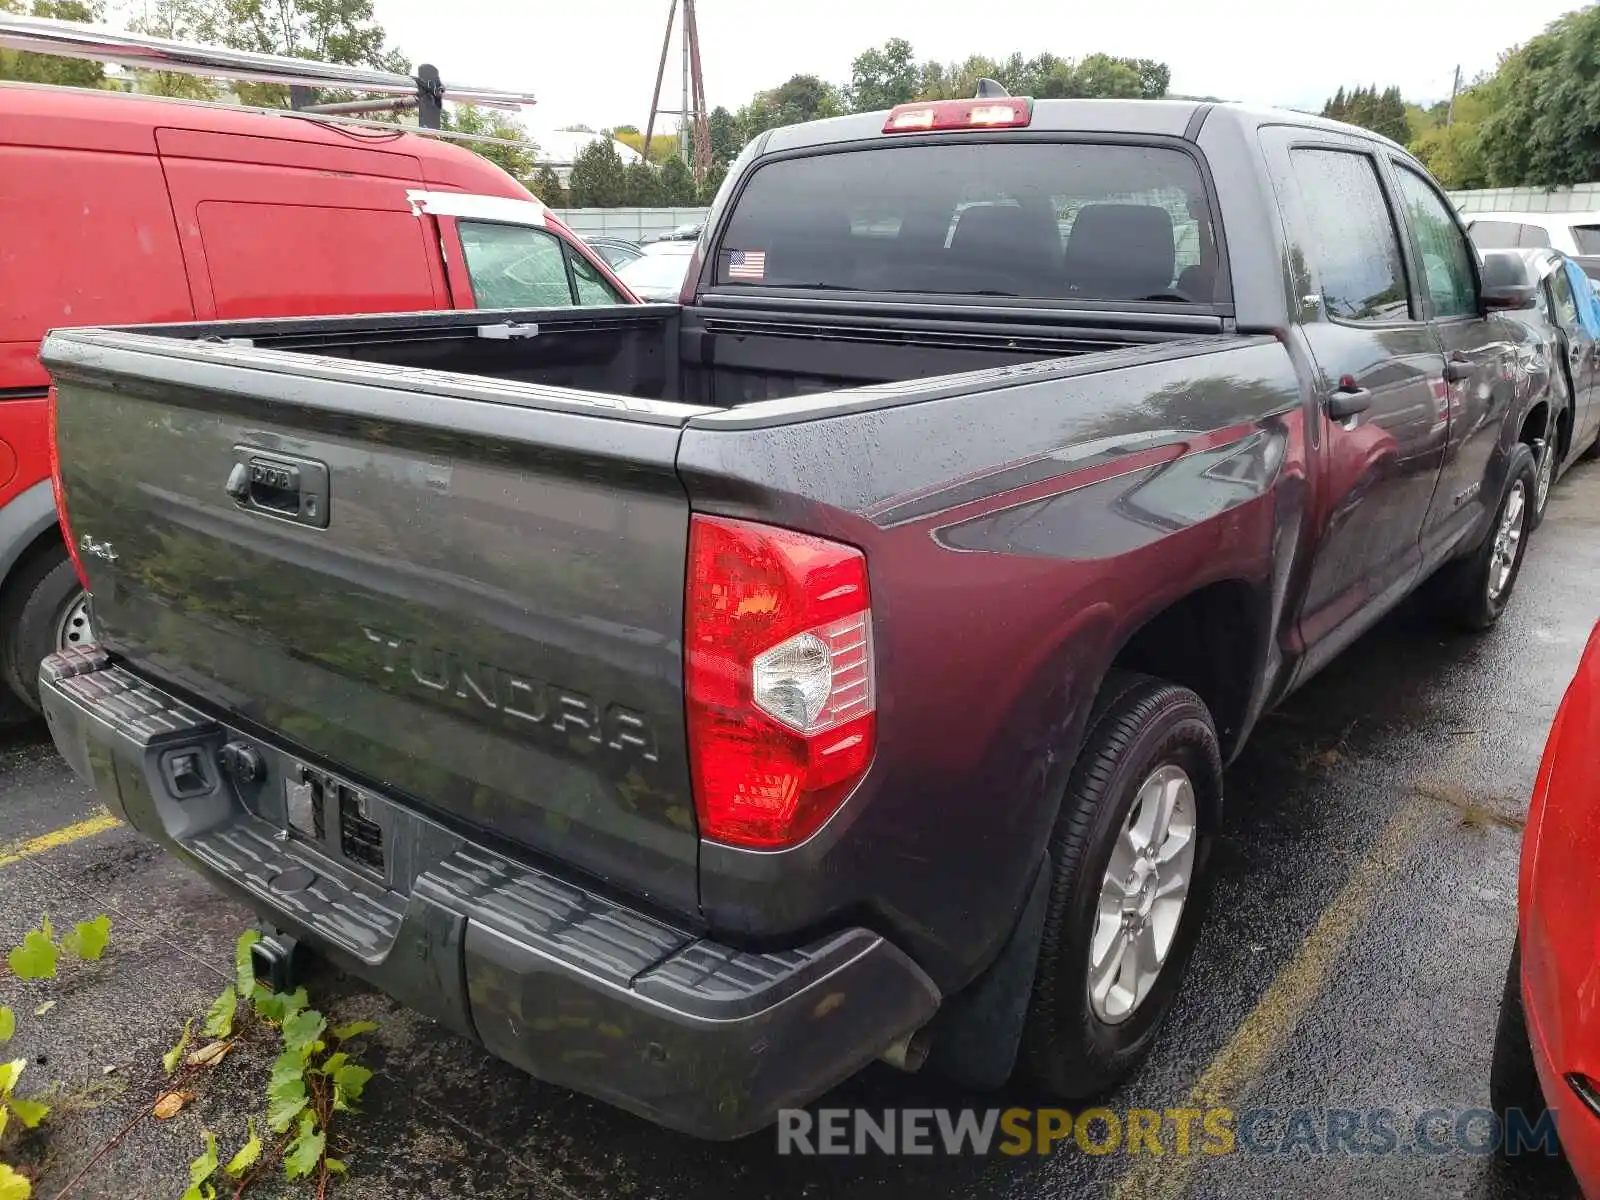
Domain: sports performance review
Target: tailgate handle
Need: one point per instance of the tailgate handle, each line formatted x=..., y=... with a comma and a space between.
x=279, y=485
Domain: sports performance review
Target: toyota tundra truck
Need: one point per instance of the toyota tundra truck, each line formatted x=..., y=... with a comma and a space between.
x=694, y=703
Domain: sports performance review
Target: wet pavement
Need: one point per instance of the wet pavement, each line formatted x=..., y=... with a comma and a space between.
x=1362, y=914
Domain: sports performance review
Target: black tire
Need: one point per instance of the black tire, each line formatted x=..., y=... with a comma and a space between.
x=1461, y=591
x=1544, y=462
x=1513, y=1079
x=36, y=599
x=1139, y=725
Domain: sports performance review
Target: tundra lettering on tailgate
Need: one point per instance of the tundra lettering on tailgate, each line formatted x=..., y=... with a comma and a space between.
x=521, y=699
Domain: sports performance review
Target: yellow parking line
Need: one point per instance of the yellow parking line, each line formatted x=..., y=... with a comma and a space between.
x=1274, y=1017
x=64, y=836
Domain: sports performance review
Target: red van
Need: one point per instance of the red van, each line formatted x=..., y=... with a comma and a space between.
x=118, y=209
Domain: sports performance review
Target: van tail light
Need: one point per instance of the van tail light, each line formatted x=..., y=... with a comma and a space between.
x=60, y=494
x=778, y=680
x=1006, y=112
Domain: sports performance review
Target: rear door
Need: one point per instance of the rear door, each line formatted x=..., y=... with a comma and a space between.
x=272, y=227
x=1380, y=380
x=1477, y=350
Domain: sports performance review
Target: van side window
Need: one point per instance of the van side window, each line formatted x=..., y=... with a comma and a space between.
x=1446, y=254
x=592, y=286
x=514, y=266
x=1354, y=247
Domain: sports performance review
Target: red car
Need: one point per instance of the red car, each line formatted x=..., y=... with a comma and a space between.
x=1547, y=1046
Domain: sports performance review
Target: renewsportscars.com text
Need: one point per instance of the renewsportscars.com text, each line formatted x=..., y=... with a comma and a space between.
x=1175, y=1131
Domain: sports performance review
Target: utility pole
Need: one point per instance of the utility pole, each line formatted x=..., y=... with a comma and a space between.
x=694, y=130
x=683, y=118
x=1455, y=86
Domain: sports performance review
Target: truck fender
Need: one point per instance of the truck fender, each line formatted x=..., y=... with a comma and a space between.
x=23, y=521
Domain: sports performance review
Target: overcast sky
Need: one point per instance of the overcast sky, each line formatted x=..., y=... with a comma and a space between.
x=594, y=61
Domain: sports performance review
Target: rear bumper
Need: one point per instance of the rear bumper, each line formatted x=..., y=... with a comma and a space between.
x=563, y=982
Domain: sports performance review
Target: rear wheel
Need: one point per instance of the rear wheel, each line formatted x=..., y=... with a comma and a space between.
x=1125, y=902
x=45, y=610
x=1544, y=478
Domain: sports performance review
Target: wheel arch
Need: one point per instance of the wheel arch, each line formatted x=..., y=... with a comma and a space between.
x=1209, y=641
x=28, y=527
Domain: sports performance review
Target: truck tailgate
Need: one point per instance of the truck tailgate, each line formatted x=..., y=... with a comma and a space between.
x=470, y=598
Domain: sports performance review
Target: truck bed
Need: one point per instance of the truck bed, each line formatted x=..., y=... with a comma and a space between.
x=717, y=356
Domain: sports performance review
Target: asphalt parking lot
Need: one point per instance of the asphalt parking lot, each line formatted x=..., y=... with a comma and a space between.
x=1361, y=920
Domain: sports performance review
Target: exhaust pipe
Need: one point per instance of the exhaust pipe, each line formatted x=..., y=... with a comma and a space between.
x=908, y=1053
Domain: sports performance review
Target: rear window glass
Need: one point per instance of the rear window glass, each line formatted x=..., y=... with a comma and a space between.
x=1495, y=235
x=1587, y=237
x=1050, y=221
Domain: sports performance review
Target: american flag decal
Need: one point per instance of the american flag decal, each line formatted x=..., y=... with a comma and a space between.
x=748, y=264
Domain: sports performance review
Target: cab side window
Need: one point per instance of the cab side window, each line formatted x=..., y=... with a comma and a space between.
x=1352, y=243
x=1446, y=253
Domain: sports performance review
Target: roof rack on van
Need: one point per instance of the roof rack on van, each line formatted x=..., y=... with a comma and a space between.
x=424, y=91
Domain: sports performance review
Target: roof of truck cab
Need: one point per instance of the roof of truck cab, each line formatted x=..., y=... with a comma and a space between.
x=1149, y=118
x=33, y=114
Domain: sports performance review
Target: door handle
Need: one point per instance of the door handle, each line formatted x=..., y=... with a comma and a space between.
x=294, y=489
x=1457, y=371
x=1345, y=402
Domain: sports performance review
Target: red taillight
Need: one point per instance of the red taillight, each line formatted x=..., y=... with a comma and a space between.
x=1007, y=112
x=60, y=494
x=778, y=677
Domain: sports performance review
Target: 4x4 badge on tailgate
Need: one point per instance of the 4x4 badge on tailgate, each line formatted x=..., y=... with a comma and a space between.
x=97, y=549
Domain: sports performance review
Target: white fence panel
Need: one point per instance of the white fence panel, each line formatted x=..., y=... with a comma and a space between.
x=635, y=224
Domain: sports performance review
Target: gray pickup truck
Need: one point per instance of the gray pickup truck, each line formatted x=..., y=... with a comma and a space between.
x=694, y=703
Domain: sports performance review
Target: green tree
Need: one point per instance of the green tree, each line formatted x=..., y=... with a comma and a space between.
x=802, y=98
x=598, y=179
x=1100, y=75
x=339, y=31
x=711, y=183
x=1454, y=152
x=1382, y=112
x=677, y=185
x=1154, y=77
x=663, y=143
x=884, y=77
x=1542, y=133
x=641, y=185
x=1048, y=77
x=49, y=68
x=725, y=140
x=516, y=161
x=546, y=185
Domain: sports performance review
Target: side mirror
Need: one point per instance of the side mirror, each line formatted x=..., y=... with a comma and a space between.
x=1505, y=283
x=1508, y=298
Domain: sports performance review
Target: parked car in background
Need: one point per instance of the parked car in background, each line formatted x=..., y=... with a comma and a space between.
x=1576, y=234
x=1547, y=1042
x=119, y=208
x=616, y=251
x=1563, y=314
x=697, y=702
x=681, y=233
x=658, y=274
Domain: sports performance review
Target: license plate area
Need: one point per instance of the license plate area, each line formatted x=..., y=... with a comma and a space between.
x=339, y=818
